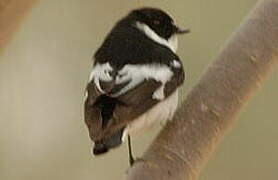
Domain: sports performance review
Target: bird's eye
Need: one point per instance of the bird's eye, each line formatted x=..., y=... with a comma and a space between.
x=156, y=22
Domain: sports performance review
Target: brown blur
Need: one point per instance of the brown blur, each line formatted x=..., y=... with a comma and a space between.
x=44, y=70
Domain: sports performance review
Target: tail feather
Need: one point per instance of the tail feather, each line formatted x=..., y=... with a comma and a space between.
x=106, y=144
x=106, y=105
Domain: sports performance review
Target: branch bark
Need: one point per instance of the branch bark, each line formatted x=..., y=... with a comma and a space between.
x=185, y=144
x=11, y=15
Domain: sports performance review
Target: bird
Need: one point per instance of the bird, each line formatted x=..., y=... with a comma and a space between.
x=134, y=80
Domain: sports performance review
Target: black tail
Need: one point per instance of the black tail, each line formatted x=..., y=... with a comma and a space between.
x=106, y=144
x=106, y=105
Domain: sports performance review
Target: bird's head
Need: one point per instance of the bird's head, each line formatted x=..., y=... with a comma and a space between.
x=158, y=21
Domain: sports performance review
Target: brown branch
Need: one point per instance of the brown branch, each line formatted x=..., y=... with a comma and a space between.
x=11, y=15
x=184, y=146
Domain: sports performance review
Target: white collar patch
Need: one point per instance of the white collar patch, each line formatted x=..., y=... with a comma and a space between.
x=172, y=43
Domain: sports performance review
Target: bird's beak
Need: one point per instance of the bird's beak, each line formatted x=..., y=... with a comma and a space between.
x=179, y=30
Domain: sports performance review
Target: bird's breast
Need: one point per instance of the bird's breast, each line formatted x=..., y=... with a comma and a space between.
x=160, y=113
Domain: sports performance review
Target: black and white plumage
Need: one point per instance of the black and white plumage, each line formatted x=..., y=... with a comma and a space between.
x=135, y=78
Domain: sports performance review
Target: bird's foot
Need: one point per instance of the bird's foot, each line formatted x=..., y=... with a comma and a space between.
x=135, y=160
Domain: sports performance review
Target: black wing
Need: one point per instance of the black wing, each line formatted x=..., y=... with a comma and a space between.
x=121, y=96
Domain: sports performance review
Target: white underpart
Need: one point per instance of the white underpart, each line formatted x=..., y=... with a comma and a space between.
x=136, y=74
x=161, y=112
x=101, y=72
x=171, y=43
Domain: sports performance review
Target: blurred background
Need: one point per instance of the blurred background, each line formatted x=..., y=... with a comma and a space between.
x=44, y=70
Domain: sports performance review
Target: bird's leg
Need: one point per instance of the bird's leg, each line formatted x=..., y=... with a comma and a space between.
x=131, y=158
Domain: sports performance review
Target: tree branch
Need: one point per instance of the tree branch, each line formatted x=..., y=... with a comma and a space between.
x=185, y=144
x=11, y=15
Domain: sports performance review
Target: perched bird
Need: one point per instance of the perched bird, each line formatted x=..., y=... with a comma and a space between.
x=135, y=78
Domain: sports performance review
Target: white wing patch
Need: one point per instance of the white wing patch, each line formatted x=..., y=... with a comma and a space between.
x=138, y=73
x=101, y=72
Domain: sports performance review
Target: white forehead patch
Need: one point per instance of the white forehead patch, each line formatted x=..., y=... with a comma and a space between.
x=176, y=64
x=101, y=72
x=171, y=43
x=136, y=74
